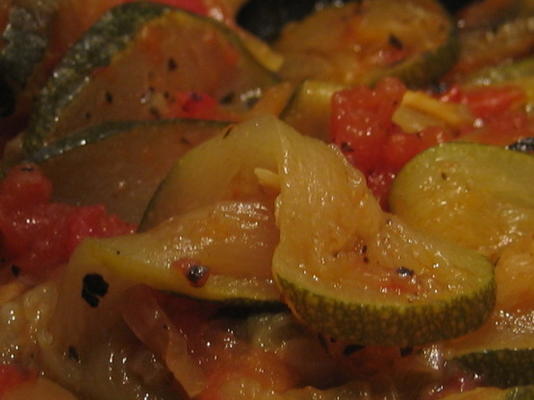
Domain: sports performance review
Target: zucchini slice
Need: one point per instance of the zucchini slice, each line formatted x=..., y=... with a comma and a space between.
x=308, y=110
x=344, y=267
x=23, y=44
x=487, y=46
x=132, y=63
x=220, y=253
x=501, y=352
x=361, y=42
x=119, y=164
x=492, y=393
x=26, y=38
x=478, y=196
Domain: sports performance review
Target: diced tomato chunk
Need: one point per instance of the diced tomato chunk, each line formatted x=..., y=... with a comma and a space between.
x=362, y=126
x=361, y=121
x=36, y=234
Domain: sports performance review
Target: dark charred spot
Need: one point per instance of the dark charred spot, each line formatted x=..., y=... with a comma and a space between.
x=227, y=98
x=94, y=287
x=405, y=272
x=15, y=270
x=118, y=252
x=155, y=112
x=196, y=97
x=346, y=148
x=109, y=97
x=406, y=351
x=251, y=101
x=72, y=354
x=228, y=131
x=363, y=249
x=351, y=349
x=525, y=145
x=444, y=176
x=196, y=273
x=171, y=64
x=366, y=259
x=322, y=341
x=27, y=168
x=88, y=115
x=395, y=42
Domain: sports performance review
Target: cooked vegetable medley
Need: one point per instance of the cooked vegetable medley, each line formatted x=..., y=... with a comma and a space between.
x=232, y=199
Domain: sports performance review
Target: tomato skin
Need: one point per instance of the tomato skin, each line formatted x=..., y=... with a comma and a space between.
x=36, y=234
x=11, y=376
x=361, y=121
x=487, y=102
x=379, y=182
x=362, y=127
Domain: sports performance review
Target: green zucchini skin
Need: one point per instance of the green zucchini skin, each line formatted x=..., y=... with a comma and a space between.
x=119, y=163
x=521, y=393
x=501, y=367
x=428, y=66
x=93, y=50
x=377, y=324
x=114, y=35
x=26, y=38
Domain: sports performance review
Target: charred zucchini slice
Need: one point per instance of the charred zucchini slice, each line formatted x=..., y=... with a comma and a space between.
x=361, y=42
x=134, y=61
x=350, y=271
x=478, y=196
x=119, y=164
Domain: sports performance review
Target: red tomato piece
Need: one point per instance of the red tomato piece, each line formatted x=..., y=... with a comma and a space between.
x=487, y=102
x=11, y=376
x=36, y=234
x=361, y=121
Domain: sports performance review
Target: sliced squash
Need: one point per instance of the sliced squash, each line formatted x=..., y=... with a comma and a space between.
x=501, y=352
x=361, y=42
x=134, y=61
x=491, y=393
x=487, y=46
x=119, y=164
x=308, y=110
x=344, y=267
x=478, y=196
